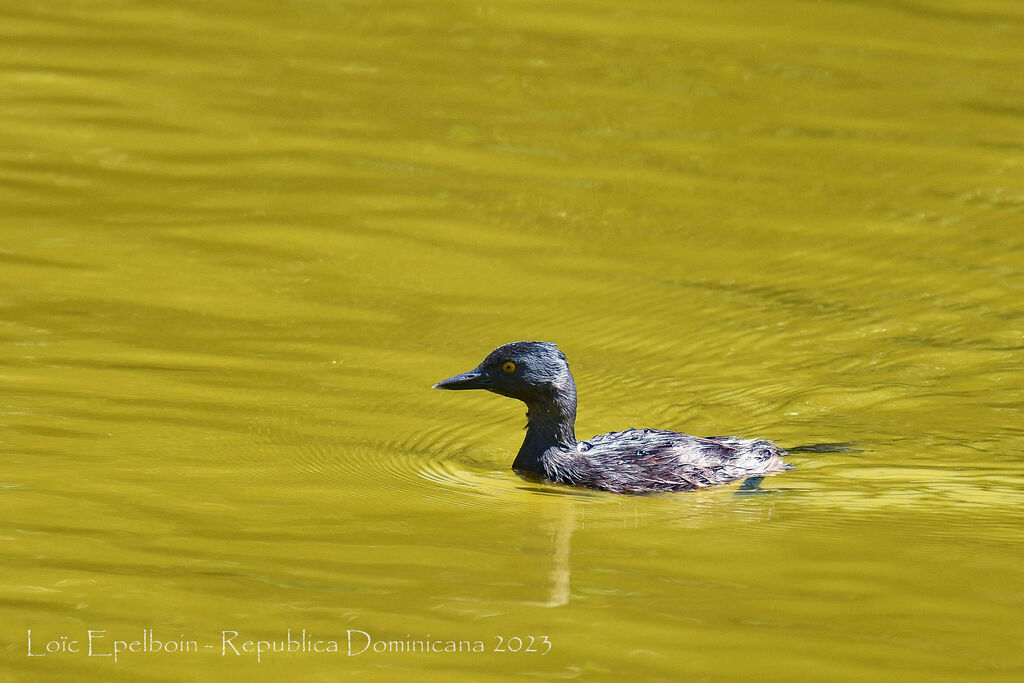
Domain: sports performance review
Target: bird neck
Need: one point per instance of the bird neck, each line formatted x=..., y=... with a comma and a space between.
x=550, y=424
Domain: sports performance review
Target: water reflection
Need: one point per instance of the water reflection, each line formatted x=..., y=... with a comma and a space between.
x=559, y=582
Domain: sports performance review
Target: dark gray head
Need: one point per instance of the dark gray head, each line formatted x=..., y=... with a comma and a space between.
x=534, y=372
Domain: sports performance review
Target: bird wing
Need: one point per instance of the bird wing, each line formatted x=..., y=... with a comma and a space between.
x=645, y=459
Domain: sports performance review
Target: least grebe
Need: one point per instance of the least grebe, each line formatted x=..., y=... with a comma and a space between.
x=631, y=461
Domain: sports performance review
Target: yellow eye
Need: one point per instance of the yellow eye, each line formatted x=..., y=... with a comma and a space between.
x=508, y=368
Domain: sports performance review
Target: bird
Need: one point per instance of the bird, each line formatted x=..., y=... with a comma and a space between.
x=632, y=461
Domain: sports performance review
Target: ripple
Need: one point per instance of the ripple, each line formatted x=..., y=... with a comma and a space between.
x=433, y=465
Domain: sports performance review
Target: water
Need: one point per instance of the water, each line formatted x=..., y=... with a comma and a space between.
x=240, y=241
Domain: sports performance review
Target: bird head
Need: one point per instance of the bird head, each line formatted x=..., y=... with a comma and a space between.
x=533, y=372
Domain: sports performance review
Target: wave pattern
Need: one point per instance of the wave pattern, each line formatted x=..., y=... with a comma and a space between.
x=240, y=242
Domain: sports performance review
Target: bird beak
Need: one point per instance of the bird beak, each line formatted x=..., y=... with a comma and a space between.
x=474, y=379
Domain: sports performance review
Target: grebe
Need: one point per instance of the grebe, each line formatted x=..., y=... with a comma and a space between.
x=631, y=461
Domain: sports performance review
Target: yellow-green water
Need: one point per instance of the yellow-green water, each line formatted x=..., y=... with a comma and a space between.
x=240, y=241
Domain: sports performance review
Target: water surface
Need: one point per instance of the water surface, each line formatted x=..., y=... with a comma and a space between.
x=240, y=241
